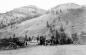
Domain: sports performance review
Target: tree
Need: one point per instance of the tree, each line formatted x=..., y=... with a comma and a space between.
x=13, y=35
x=42, y=40
x=38, y=38
x=29, y=39
x=75, y=38
x=58, y=36
x=48, y=24
x=26, y=39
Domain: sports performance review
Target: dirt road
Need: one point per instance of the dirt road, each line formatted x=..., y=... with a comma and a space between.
x=48, y=50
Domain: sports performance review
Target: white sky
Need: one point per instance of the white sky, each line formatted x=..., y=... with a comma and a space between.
x=7, y=5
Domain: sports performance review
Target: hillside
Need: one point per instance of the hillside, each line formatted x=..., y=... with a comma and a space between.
x=20, y=14
x=71, y=16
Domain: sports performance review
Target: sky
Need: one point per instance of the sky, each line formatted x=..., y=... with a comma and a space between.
x=7, y=5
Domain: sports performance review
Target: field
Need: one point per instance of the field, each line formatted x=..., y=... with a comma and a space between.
x=48, y=50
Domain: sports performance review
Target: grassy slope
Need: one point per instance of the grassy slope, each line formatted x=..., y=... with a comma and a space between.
x=19, y=15
x=73, y=14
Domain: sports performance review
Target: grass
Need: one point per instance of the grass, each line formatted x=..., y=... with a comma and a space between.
x=48, y=50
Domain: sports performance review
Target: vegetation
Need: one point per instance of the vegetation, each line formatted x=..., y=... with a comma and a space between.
x=58, y=37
